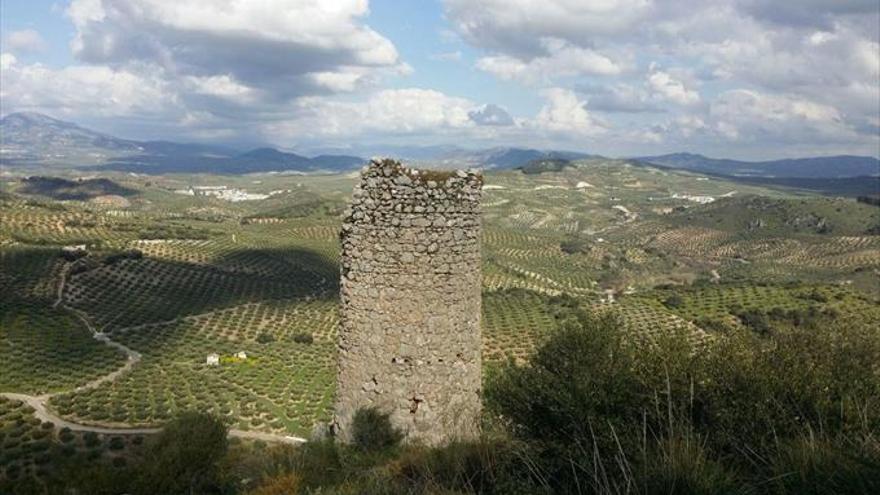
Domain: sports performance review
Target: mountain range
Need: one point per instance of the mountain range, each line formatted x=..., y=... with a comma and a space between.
x=38, y=142
x=806, y=168
x=33, y=140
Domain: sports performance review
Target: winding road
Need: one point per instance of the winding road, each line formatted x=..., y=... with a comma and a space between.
x=45, y=414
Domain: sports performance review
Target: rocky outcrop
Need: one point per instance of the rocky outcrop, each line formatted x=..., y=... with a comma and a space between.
x=409, y=339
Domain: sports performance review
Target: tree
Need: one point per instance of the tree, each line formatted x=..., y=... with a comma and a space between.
x=184, y=457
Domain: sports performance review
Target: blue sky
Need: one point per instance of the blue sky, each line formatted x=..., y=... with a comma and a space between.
x=735, y=78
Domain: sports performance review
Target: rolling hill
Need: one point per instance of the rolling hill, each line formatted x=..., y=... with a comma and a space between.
x=33, y=138
x=814, y=167
x=37, y=141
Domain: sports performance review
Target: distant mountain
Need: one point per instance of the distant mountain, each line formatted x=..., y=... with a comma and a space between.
x=170, y=148
x=542, y=165
x=338, y=163
x=36, y=138
x=816, y=167
x=253, y=161
x=508, y=158
x=36, y=141
x=33, y=140
x=456, y=156
x=420, y=153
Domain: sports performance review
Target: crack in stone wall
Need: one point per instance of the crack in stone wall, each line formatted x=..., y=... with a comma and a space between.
x=409, y=337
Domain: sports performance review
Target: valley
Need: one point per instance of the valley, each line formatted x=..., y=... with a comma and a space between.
x=172, y=278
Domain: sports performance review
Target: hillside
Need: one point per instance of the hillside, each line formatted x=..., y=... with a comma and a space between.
x=814, y=167
x=35, y=141
x=761, y=216
x=79, y=190
x=33, y=138
x=174, y=277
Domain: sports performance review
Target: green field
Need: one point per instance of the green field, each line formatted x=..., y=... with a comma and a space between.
x=175, y=277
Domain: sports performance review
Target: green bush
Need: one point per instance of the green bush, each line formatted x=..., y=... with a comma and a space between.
x=673, y=301
x=91, y=439
x=265, y=338
x=605, y=411
x=813, y=466
x=117, y=443
x=303, y=338
x=184, y=457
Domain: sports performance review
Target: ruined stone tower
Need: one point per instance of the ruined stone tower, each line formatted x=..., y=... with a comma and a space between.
x=409, y=337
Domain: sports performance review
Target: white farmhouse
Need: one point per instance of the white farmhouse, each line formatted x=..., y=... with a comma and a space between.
x=241, y=355
x=213, y=359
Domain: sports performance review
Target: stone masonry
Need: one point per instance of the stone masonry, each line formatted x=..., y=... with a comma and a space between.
x=409, y=337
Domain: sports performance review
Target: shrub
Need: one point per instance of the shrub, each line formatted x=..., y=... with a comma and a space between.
x=91, y=439
x=755, y=320
x=184, y=456
x=303, y=338
x=604, y=413
x=811, y=465
x=488, y=466
x=371, y=430
x=117, y=443
x=265, y=338
x=712, y=324
x=673, y=301
x=282, y=485
x=574, y=246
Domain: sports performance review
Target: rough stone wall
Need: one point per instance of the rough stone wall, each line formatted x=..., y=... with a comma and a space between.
x=409, y=337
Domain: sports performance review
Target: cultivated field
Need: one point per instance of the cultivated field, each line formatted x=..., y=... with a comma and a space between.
x=115, y=330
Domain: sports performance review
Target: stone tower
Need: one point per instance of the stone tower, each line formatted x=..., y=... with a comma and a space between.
x=409, y=337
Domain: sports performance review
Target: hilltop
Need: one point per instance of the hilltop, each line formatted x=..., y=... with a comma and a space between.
x=813, y=167
x=37, y=141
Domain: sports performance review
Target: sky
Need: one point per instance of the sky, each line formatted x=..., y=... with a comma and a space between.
x=748, y=79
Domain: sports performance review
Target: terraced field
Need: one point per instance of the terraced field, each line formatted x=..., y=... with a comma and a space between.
x=174, y=278
x=46, y=349
x=33, y=449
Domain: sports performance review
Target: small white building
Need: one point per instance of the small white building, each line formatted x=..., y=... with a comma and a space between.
x=213, y=359
x=241, y=355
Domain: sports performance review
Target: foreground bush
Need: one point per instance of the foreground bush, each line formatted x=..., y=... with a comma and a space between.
x=184, y=457
x=607, y=413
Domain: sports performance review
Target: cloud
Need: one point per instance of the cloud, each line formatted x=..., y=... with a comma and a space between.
x=7, y=60
x=562, y=60
x=667, y=87
x=283, y=49
x=447, y=56
x=619, y=98
x=660, y=91
x=491, y=114
x=416, y=112
x=565, y=113
x=807, y=13
x=519, y=27
x=24, y=41
x=391, y=111
x=82, y=90
x=744, y=115
x=207, y=68
x=814, y=65
x=760, y=75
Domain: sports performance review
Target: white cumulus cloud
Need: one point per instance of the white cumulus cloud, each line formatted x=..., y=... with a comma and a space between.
x=565, y=113
x=23, y=41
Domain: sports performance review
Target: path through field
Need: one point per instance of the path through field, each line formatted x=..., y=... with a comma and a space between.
x=44, y=414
